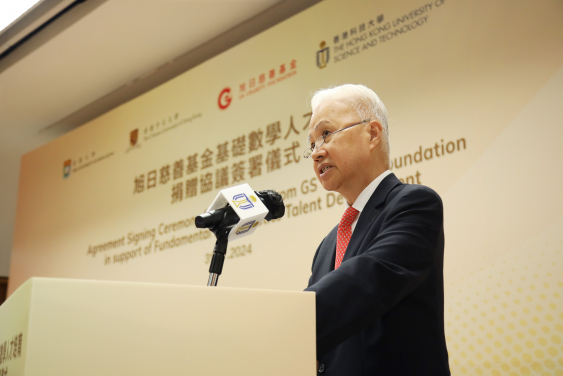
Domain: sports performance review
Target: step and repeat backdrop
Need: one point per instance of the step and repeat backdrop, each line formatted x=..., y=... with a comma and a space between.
x=473, y=90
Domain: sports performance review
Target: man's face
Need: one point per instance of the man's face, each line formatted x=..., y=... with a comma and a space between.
x=340, y=163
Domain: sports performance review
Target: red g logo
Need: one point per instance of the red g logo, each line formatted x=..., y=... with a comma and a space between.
x=224, y=98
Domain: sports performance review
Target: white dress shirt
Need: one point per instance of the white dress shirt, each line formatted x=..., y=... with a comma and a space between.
x=363, y=198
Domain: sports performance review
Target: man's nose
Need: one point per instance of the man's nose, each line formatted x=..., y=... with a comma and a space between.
x=318, y=153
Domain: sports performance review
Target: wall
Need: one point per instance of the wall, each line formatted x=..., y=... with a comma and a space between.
x=472, y=89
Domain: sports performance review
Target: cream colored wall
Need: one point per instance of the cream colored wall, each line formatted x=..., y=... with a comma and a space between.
x=485, y=76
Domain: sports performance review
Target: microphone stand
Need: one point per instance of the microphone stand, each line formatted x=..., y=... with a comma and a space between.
x=221, y=221
x=219, y=252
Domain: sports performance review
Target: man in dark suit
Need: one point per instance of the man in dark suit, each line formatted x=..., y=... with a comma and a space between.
x=378, y=275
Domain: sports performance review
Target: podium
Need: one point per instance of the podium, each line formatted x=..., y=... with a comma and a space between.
x=65, y=327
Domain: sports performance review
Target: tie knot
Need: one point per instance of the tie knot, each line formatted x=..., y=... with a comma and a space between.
x=349, y=216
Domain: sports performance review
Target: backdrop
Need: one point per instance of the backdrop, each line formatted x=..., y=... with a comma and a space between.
x=473, y=90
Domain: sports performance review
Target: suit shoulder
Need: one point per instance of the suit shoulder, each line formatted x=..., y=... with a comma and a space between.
x=418, y=191
x=423, y=188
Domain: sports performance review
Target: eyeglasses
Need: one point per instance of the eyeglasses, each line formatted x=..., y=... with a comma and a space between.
x=322, y=139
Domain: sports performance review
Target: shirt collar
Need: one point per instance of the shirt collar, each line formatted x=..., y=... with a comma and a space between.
x=363, y=198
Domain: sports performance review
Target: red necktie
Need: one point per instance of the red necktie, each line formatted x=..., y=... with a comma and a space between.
x=344, y=234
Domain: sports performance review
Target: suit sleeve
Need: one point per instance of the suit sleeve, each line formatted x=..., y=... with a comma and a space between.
x=388, y=267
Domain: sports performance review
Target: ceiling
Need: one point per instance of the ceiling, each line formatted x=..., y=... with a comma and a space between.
x=99, y=54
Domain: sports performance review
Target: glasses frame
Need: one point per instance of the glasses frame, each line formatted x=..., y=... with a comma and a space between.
x=309, y=151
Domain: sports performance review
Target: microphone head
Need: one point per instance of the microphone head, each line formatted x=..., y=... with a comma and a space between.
x=217, y=218
x=274, y=202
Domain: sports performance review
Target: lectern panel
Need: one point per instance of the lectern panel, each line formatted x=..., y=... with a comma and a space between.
x=114, y=328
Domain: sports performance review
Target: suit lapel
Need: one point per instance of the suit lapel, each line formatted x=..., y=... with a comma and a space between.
x=371, y=211
x=327, y=254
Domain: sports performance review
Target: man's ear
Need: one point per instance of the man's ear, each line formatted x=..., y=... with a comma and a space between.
x=376, y=134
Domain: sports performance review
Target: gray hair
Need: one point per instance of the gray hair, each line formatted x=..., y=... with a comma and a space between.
x=364, y=100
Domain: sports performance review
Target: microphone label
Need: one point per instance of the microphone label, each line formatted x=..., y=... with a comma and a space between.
x=249, y=208
x=242, y=202
x=246, y=227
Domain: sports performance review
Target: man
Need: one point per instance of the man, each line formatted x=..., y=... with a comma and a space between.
x=378, y=275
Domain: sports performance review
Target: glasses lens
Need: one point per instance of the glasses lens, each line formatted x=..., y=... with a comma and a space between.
x=307, y=153
x=320, y=141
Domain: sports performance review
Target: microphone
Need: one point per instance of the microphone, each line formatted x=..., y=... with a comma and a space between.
x=234, y=214
x=226, y=216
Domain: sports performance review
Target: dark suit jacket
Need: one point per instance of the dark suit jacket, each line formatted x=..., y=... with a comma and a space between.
x=382, y=311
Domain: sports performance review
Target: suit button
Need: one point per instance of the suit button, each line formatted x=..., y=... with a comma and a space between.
x=321, y=368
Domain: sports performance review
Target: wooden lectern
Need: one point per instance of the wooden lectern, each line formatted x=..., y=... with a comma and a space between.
x=64, y=327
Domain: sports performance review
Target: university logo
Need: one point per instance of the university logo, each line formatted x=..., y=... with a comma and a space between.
x=323, y=55
x=241, y=201
x=246, y=227
x=66, y=168
x=133, y=140
x=225, y=98
x=134, y=136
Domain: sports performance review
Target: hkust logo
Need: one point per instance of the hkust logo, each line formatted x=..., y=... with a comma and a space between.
x=242, y=201
x=246, y=227
x=323, y=55
x=66, y=168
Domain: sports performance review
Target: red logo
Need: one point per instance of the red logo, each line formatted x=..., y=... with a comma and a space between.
x=225, y=98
